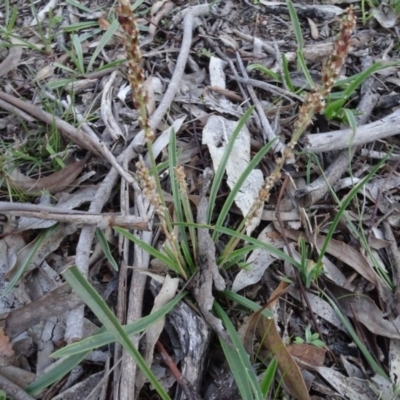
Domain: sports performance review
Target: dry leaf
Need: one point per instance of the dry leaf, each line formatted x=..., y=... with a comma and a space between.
x=308, y=353
x=6, y=349
x=314, y=29
x=54, y=183
x=272, y=341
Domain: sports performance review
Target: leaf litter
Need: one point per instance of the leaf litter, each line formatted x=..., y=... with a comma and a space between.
x=47, y=60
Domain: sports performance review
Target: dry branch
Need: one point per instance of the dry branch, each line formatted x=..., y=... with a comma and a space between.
x=342, y=139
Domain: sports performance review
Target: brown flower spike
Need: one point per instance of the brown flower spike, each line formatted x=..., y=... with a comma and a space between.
x=134, y=57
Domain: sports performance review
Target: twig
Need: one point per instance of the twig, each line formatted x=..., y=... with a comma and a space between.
x=317, y=189
x=100, y=220
x=268, y=133
x=13, y=390
x=383, y=128
x=89, y=142
x=106, y=111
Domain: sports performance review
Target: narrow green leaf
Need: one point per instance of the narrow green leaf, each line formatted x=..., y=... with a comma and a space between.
x=106, y=248
x=62, y=368
x=151, y=250
x=296, y=25
x=286, y=74
x=35, y=247
x=245, y=302
x=374, y=365
x=79, y=5
x=80, y=26
x=103, y=42
x=239, y=360
x=219, y=174
x=176, y=196
x=268, y=377
x=102, y=339
x=79, y=54
x=98, y=306
x=351, y=120
x=303, y=67
x=235, y=190
x=344, y=205
x=265, y=71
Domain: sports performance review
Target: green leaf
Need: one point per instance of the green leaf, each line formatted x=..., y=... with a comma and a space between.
x=268, y=377
x=176, y=196
x=103, y=42
x=354, y=82
x=150, y=249
x=235, y=190
x=296, y=25
x=286, y=74
x=303, y=67
x=219, y=174
x=345, y=203
x=245, y=302
x=79, y=54
x=56, y=373
x=264, y=70
x=35, y=247
x=106, y=248
x=318, y=343
x=98, y=306
x=102, y=339
x=80, y=26
x=239, y=360
x=374, y=365
x=351, y=120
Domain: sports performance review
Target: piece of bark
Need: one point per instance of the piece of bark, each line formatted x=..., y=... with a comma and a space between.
x=54, y=303
x=209, y=275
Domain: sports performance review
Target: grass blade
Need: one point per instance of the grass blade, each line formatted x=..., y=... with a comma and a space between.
x=176, y=196
x=343, y=207
x=151, y=250
x=231, y=198
x=106, y=248
x=79, y=54
x=102, y=339
x=303, y=67
x=56, y=373
x=104, y=40
x=37, y=243
x=219, y=174
x=374, y=365
x=296, y=25
x=243, y=301
x=286, y=74
x=239, y=360
x=265, y=71
x=94, y=301
x=268, y=378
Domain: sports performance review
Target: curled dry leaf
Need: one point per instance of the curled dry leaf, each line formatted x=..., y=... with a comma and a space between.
x=54, y=183
x=271, y=339
x=314, y=29
x=366, y=312
x=308, y=353
x=385, y=15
